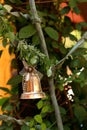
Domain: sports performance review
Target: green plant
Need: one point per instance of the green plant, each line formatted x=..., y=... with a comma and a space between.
x=39, y=114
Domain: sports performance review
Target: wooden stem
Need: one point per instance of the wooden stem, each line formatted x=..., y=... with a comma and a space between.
x=36, y=21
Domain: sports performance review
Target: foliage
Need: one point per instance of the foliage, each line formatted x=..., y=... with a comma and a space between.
x=57, y=27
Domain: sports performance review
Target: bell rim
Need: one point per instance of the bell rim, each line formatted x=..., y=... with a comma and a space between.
x=32, y=95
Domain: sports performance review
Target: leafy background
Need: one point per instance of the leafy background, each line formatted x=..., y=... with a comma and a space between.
x=60, y=35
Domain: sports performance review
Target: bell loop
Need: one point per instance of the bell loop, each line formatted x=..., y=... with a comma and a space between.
x=30, y=69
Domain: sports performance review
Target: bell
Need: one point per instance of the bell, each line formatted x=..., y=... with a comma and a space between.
x=31, y=85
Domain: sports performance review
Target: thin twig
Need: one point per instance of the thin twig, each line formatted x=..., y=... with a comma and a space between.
x=79, y=43
x=41, y=2
x=47, y=1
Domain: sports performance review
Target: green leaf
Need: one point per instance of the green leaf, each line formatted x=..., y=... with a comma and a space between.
x=73, y=3
x=34, y=60
x=65, y=10
x=38, y=118
x=45, y=109
x=49, y=72
x=31, y=123
x=15, y=80
x=42, y=14
x=8, y=108
x=35, y=40
x=9, y=128
x=62, y=110
x=27, y=31
x=66, y=127
x=55, y=45
x=11, y=36
x=3, y=100
x=83, y=24
x=4, y=42
x=5, y=89
x=61, y=87
x=32, y=129
x=1, y=7
x=52, y=33
x=43, y=126
x=67, y=21
x=1, y=52
x=80, y=113
x=72, y=37
x=3, y=127
x=76, y=10
x=24, y=127
x=40, y=104
x=82, y=0
x=80, y=25
x=14, y=62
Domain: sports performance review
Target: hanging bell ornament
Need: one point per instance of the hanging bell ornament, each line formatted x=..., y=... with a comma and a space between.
x=31, y=85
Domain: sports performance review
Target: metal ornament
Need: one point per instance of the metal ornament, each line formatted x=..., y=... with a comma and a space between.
x=31, y=85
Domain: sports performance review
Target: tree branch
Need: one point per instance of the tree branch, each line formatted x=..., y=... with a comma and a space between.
x=79, y=43
x=12, y=119
x=36, y=21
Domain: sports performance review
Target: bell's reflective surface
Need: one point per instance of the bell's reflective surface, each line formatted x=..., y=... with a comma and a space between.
x=31, y=86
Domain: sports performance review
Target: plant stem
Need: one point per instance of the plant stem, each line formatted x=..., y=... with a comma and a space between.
x=55, y=105
x=36, y=21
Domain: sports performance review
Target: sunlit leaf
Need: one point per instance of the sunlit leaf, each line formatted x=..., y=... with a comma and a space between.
x=43, y=126
x=34, y=60
x=49, y=72
x=32, y=129
x=8, y=8
x=31, y=123
x=45, y=109
x=38, y=118
x=40, y=104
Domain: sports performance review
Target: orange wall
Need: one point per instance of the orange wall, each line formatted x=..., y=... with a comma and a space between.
x=5, y=68
x=83, y=13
